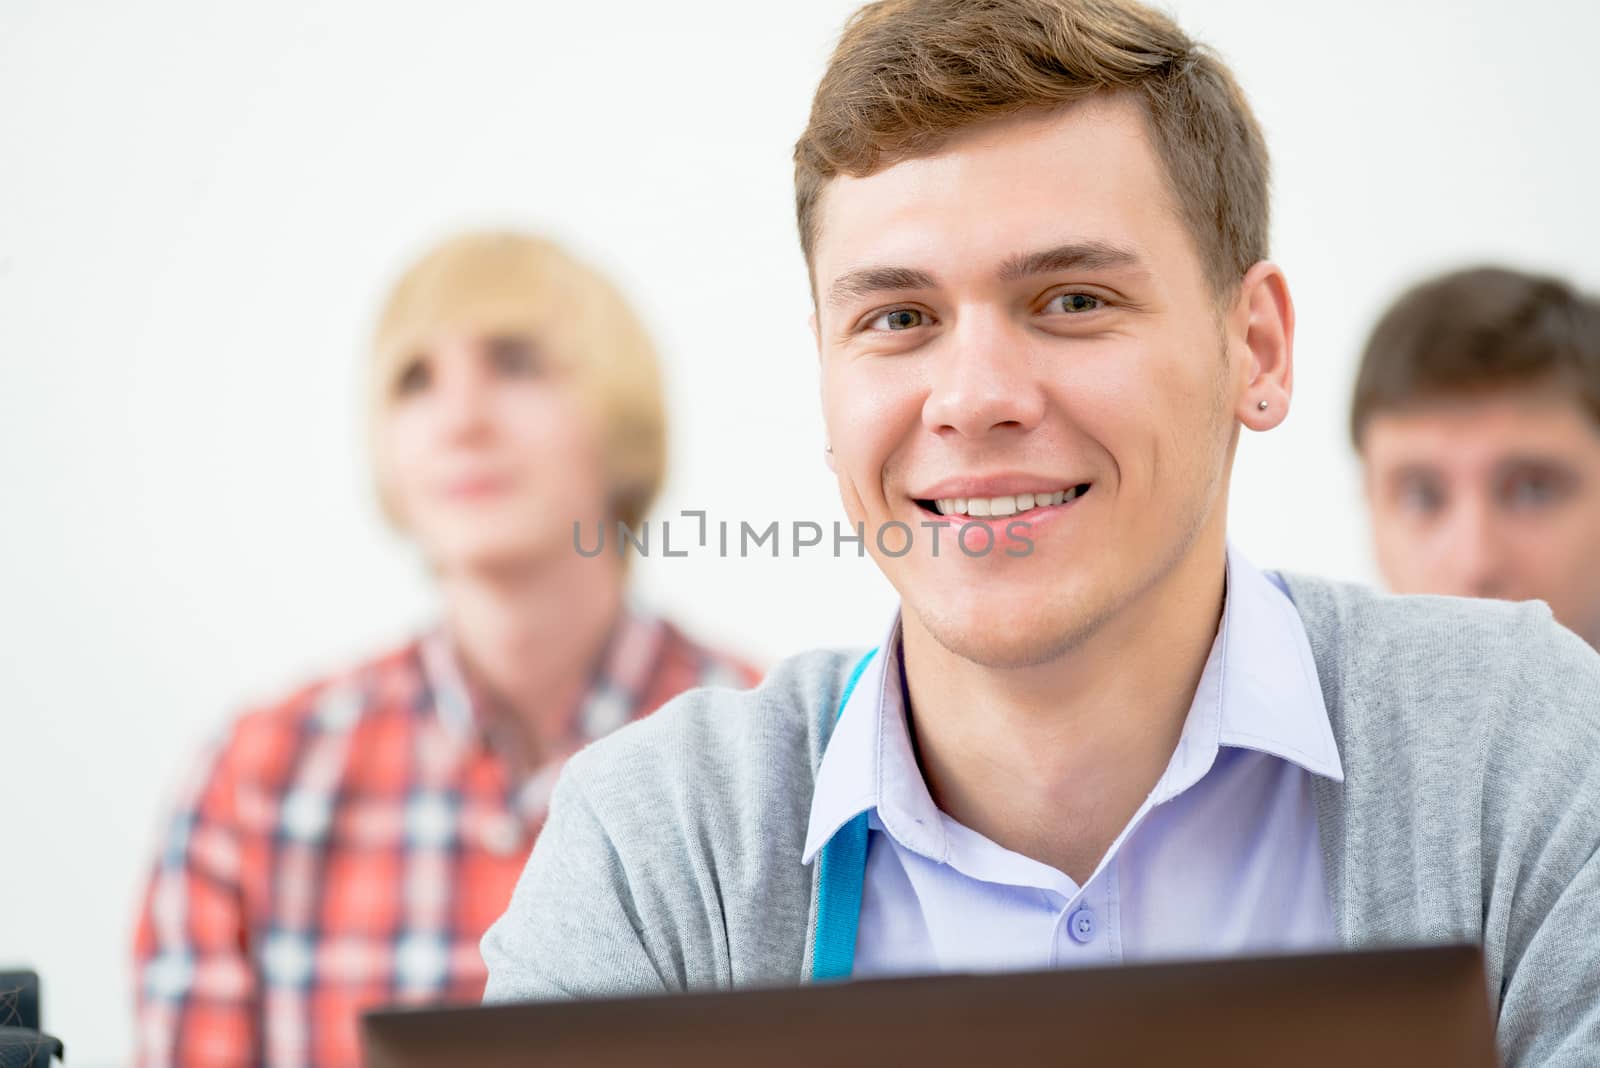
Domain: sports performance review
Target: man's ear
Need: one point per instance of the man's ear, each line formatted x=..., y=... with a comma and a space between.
x=1263, y=315
x=816, y=334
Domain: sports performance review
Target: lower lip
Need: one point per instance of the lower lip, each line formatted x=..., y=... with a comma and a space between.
x=1031, y=524
x=477, y=489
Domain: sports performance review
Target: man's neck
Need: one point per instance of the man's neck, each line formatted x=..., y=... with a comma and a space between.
x=1053, y=760
x=529, y=638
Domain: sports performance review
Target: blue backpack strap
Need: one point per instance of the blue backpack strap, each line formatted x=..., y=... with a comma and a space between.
x=841, y=870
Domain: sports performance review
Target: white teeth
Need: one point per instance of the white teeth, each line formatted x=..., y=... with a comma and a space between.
x=1001, y=506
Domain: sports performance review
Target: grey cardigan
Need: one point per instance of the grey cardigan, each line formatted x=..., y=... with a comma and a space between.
x=1470, y=811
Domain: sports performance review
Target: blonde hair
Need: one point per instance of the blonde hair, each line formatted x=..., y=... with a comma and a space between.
x=511, y=283
x=909, y=74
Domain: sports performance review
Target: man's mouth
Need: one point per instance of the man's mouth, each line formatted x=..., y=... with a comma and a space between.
x=1014, y=504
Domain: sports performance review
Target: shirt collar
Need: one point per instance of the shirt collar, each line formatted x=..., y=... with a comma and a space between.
x=1259, y=691
x=851, y=777
x=621, y=676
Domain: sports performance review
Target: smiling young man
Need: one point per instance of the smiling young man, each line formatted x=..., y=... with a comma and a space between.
x=1037, y=237
x=1477, y=417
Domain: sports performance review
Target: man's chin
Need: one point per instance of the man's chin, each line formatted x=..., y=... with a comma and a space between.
x=483, y=552
x=992, y=637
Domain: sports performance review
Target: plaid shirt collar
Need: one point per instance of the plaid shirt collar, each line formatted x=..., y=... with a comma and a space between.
x=627, y=661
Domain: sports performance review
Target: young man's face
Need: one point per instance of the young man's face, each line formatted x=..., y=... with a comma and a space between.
x=488, y=456
x=1495, y=495
x=1025, y=313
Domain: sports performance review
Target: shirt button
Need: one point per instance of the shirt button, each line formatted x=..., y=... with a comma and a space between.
x=1080, y=925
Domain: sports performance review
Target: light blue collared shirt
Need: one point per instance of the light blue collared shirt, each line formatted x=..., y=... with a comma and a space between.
x=1221, y=859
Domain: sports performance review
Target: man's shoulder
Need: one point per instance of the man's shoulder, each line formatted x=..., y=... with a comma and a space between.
x=267, y=738
x=1482, y=640
x=769, y=736
x=671, y=858
x=1451, y=671
x=699, y=663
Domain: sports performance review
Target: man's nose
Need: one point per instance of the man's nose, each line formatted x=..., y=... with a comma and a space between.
x=1474, y=553
x=984, y=377
x=463, y=398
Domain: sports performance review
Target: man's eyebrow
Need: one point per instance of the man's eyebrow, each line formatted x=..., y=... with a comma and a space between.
x=859, y=283
x=1413, y=471
x=1524, y=461
x=1084, y=255
x=1078, y=256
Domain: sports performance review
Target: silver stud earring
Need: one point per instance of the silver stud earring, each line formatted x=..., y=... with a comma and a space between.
x=1262, y=405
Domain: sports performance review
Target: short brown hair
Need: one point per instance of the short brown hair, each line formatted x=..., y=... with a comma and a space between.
x=908, y=74
x=1475, y=331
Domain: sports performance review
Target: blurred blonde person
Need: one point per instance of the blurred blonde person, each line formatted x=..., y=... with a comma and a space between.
x=350, y=844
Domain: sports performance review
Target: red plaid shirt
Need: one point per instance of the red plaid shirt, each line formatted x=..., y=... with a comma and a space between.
x=349, y=847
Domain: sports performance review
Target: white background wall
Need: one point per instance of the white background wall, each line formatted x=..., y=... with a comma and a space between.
x=201, y=203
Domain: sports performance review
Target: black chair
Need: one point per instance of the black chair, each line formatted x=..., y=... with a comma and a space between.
x=22, y=1044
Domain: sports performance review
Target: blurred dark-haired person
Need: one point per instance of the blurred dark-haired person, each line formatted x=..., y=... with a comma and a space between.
x=1477, y=417
x=350, y=844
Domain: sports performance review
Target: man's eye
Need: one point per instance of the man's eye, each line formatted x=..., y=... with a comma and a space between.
x=899, y=319
x=1531, y=491
x=1421, y=498
x=413, y=378
x=1074, y=303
